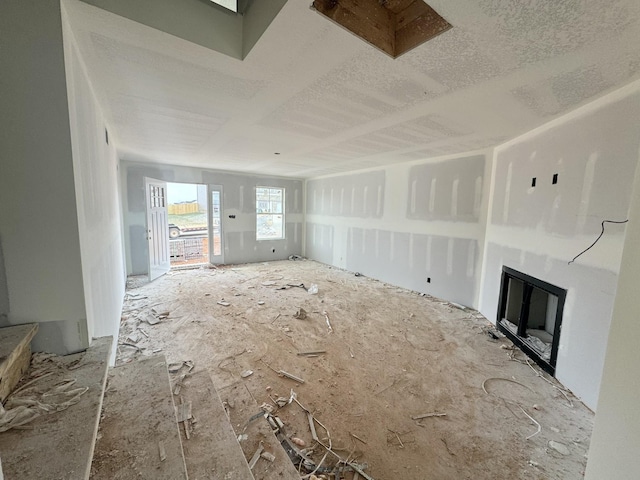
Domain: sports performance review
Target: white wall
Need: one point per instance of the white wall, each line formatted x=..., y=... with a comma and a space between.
x=238, y=201
x=39, y=232
x=459, y=220
x=95, y=167
x=405, y=223
x=615, y=442
x=61, y=261
x=538, y=230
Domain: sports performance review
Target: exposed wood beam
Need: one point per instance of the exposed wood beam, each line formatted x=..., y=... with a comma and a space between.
x=410, y=13
x=423, y=28
x=378, y=34
x=396, y=6
x=378, y=23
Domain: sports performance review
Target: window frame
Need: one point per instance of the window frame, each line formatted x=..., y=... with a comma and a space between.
x=260, y=214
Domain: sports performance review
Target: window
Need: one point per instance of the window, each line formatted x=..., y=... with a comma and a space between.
x=269, y=213
x=228, y=4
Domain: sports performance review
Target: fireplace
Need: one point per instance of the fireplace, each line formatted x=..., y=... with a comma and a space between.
x=530, y=315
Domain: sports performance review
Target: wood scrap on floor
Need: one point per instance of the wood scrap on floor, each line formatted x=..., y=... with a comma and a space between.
x=397, y=354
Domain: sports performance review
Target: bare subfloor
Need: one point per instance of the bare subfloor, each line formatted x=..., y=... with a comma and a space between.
x=392, y=355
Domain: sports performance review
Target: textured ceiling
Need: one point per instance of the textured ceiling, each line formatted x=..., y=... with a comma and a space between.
x=328, y=103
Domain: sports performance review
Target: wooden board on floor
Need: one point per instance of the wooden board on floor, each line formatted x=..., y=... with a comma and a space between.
x=244, y=407
x=15, y=355
x=138, y=436
x=212, y=449
x=60, y=445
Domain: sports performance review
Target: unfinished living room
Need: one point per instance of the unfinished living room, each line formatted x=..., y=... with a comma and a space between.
x=323, y=239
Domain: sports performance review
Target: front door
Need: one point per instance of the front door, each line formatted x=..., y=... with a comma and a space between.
x=157, y=228
x=216, y=247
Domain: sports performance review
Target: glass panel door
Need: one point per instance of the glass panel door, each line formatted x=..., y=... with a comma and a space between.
x=216, y=246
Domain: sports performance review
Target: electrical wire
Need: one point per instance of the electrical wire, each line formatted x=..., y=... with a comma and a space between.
x=597, y=239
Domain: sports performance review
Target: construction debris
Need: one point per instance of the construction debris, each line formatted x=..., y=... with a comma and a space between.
x=326, y=316
x=270, y=457
x=175, y=367
x=299, y=442
x=301, y=314
x=457, y=305
x=358, y=438
x=301, y=457
x=559, y=447
x=179, y=384
x=184, y=417
x=256, y=456
x=31, y=401
x=162, y=451
x=427, y=415
x=267, y=408
x=161, y=314
x=151, y=319
x=290, y=376
x=313, y=353
x=183, y=412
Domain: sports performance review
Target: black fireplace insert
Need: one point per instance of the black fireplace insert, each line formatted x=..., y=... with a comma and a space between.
x=530, y=315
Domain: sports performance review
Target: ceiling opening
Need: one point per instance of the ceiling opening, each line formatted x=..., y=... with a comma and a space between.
x=393, y=26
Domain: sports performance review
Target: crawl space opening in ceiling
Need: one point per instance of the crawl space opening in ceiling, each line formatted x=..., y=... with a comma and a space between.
x=393, y=26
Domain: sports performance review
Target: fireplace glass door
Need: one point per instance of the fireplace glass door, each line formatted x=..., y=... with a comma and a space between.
x=530, y=315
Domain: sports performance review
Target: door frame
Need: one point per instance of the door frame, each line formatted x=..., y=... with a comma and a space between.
x=157, y=224
x=215, y=259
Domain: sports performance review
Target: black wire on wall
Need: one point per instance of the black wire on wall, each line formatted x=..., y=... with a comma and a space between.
x=597, y=239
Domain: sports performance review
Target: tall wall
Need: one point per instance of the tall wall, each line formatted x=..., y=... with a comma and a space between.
x=538, y=230
x=238, y=216
x=95, y=167
x=405, y=224
x=616, y=435
x=39, y=233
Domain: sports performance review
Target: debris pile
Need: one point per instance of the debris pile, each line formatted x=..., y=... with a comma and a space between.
x=320, y=457
x=35, y=397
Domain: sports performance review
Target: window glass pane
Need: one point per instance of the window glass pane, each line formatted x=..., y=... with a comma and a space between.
x=277, y=225
x=269, y=213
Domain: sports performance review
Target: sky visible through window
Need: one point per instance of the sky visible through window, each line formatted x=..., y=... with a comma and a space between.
x=229, y=4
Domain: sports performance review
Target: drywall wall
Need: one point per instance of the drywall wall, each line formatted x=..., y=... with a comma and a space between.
x=405, y=224
x=200, y=22
x=615, y=441
x=538, y=230
x=256, y=19
x=95, y=167
x=38, y=218
x=238, y=217
x=4, y=291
